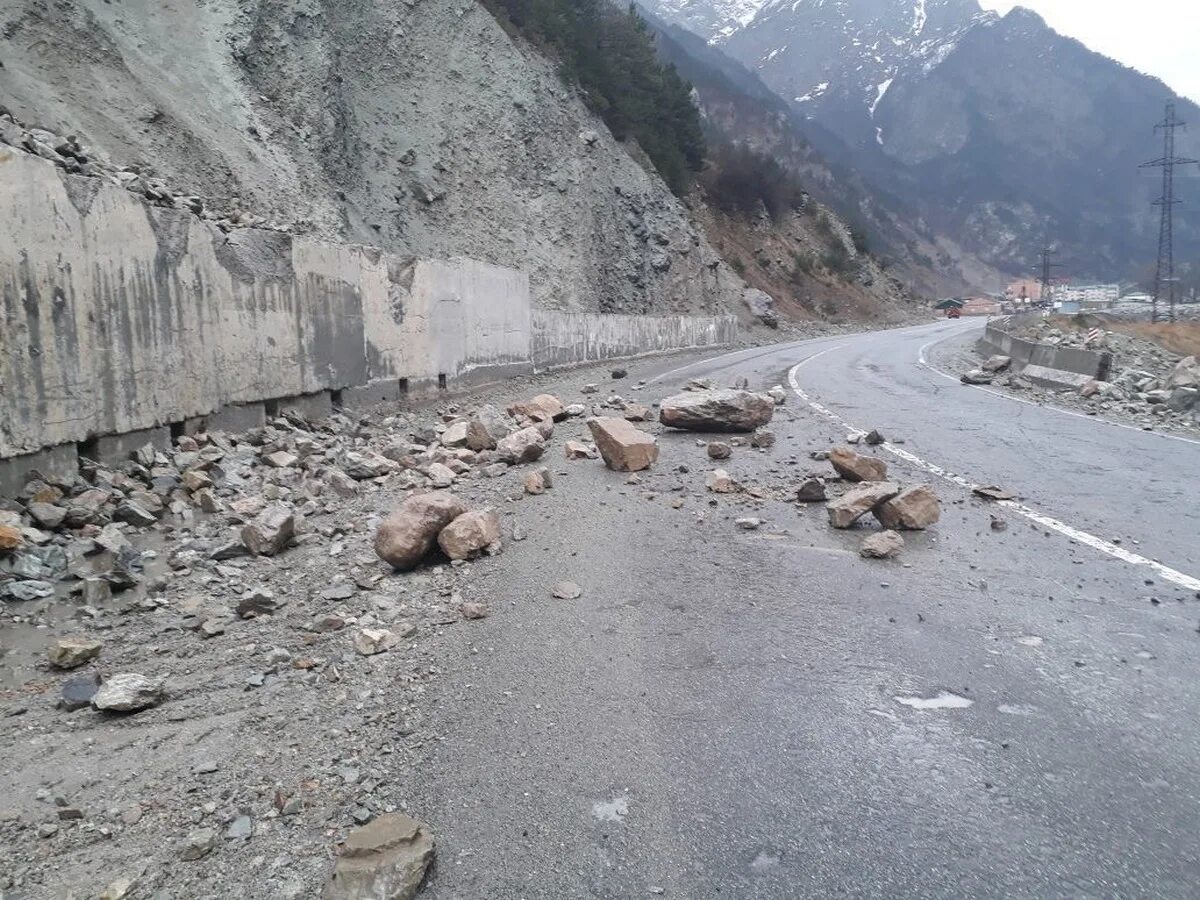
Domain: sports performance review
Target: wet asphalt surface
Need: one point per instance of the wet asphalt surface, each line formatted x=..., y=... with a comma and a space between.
x=728, y=713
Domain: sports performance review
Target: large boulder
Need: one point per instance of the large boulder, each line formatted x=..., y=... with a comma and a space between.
x=996, y=363
x=10, y=538
x=470, y=534
x=911, y=510
x=717, y=410
x=1185, y=374
x=857, y=502
x=526, y=445
x=486, y=428
x=406, y=535
x=761, y=306
x=623, y=447
x=385, y=859
x=540, y=407
x=857, y=467
x=71, y=653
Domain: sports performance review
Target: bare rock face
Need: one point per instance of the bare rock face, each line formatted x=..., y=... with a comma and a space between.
x=717, y=410
x=623, y=447
x=884, y=545
x=470, y=534
x=408, y=533
x=856, y=467
x=71, y=653
x=911, y=510
x=385, y=859
x=270, y=531
x=857, y=502
x=524, y=446
x=128, y=692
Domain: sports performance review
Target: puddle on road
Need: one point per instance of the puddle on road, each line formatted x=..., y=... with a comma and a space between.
x=613, y=810
x=941, y=700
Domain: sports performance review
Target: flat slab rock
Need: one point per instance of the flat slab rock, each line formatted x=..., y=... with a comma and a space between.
x=857, y=502
x=717, y=410
x=385, y=859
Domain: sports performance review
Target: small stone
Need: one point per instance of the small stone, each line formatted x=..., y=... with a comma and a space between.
x=370, y=641
x=385, y=858
x=536, y=482
x=567, y=590
x=618, y=374
x=999, y=524
x=240, y=829
x=128, y=692
x=580, y=450
x=270, y=532
x=121, y=889
x=749, y=523
x=874, y=438
x=719, y=450
x=78, y=692
x=855, y=467
x=259, y=602
x=778, y=394
x=470, y=534
x=71, y=653
x=281, y=459
x=198, y=844
x=811, y=490
x=720, y=482
x=473, y=610
x=884, y=545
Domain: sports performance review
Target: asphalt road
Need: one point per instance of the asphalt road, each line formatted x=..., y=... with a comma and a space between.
x=747, y=713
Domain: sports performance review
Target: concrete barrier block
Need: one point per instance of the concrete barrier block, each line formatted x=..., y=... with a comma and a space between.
x=313, y=407
x=385, y=390
x=113, y=449
x=232, y=419
x=59, y=463
x=1043, y=376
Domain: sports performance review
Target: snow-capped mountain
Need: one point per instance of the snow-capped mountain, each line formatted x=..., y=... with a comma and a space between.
x=714, y=20
x=997, y=130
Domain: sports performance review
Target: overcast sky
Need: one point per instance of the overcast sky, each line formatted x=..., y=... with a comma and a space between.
x=1158, y=37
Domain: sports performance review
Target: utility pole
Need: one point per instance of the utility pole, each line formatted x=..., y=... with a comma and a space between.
x=1047, y=278
x=1164, y=273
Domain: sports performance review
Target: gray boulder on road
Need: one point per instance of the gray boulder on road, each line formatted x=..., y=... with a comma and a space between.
x=717, y=410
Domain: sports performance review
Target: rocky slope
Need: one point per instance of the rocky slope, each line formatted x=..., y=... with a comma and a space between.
x=981, y=122
x=420, y=127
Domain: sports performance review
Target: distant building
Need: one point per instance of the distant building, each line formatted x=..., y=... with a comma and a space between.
x=1023, y=292
x=981, y=306
x=1087, y=296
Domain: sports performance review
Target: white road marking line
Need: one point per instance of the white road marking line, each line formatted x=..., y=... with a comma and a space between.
x=923, y=360
x=1083, y=537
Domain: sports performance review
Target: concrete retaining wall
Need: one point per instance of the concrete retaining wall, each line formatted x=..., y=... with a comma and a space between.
x=997, y=338
x=117, y=317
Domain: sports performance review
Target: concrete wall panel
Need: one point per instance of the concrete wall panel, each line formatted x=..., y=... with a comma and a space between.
x=118, y=317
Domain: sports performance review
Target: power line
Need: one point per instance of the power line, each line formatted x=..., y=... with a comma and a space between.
x=1047, y=278
x=1164, y=272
